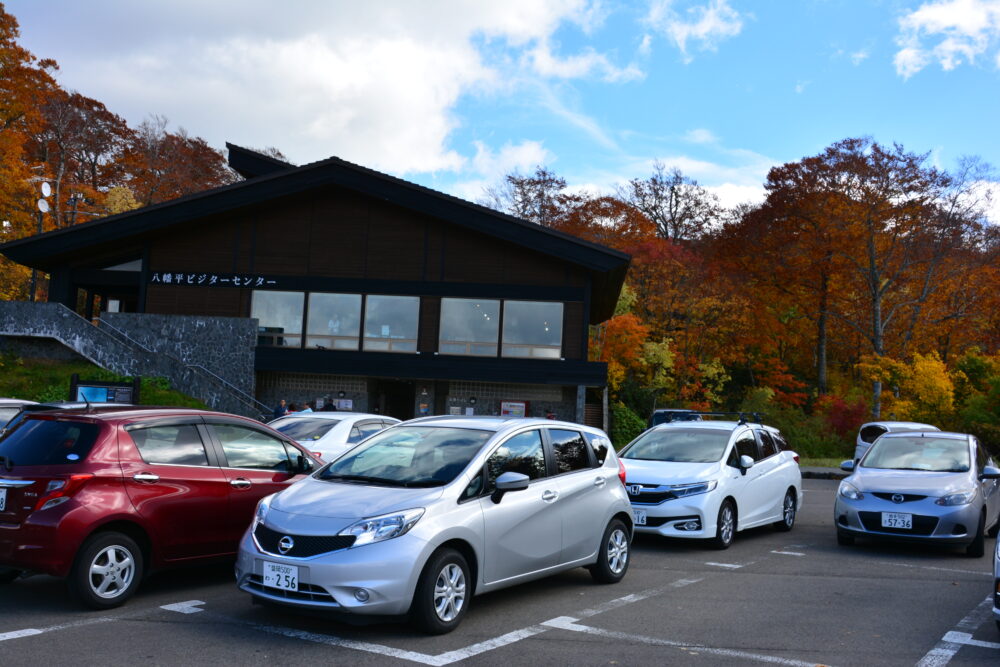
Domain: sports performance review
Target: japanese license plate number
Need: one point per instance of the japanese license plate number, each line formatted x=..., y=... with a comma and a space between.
x=897, y=520
x=285, y=577
x=639, y=516
x=3, y=499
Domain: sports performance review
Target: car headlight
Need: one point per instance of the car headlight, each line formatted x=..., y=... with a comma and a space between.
x=960, y=498
x=848, y=491
x=385, y=527
x=263, y=506
x=685, y=490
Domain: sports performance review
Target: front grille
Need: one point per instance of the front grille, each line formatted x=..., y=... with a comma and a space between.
x=306, y=592
x=305, y=545
x=907, y=497
x=645, y=497
x=922, y=525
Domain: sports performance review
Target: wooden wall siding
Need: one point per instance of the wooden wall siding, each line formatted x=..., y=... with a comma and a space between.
x=339, y=236
x=430, y=322
x=282, y=237
x=573, y=323
x=206, y=246
x=165, y=300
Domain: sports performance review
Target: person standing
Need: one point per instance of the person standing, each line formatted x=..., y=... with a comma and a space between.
x=281, y=410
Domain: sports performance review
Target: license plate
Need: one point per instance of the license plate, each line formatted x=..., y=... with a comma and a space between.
x=897, y=520
x=3, y=499
x=285, y=577
x=639, y=516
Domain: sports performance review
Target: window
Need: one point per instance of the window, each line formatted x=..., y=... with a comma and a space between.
x=679, y=445
x=747, y=446
x=279, y=318
x=767, y=446
x=570, y=450
x=870, y=433
x=334, y=321
x=532, y=329
x=391, y=323
x=600, y=446
x=521, y=453
x=38, y=442
x=170, y=445
x=369, y=428
x=469, y=327
x=304, y=429
x=780, y=441
x=248, y=448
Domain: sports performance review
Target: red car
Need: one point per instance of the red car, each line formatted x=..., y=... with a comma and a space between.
x=103, y=496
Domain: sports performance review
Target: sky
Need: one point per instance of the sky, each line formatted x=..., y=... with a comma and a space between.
x=456, y=94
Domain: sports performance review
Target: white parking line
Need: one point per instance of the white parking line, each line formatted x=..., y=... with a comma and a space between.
x=966, y=639
x=788, y=553
x=945, y=650
x=733, y=566
x=569, y=623
x=30, y=632
x=189, y=607
x=977, y=573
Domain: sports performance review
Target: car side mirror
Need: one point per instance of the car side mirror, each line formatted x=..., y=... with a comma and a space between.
x=746, y=462
x=847, y=466
x=507, y=482
x=302, y=465
x=989, y=472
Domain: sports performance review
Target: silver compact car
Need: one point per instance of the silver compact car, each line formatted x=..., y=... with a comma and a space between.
x=996, y=585
x=927, y=486
x=422, y=516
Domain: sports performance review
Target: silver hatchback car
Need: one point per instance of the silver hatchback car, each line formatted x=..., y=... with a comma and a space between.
x=926, y=486
x=422, y=516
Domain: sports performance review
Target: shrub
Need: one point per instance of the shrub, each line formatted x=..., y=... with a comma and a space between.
x=625, y=425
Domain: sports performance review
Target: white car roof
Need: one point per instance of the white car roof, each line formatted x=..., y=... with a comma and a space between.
x=335, y=414
x=717, y=425
x=910, y=426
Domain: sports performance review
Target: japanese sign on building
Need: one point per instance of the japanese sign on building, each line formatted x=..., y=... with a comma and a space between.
x=211, y=279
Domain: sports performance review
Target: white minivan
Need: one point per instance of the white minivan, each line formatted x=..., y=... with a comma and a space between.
x=710, y=479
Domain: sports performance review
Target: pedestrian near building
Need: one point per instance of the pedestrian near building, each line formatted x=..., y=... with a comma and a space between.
x=281, y=409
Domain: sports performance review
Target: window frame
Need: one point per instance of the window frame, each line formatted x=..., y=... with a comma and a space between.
x=364, y=323
x=552, y=459
x=503, y=323
x=497, y=342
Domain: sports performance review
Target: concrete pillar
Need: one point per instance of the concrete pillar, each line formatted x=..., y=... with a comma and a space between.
x=581, y=402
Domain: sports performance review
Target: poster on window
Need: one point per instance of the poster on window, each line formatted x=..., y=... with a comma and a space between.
x=513, y=408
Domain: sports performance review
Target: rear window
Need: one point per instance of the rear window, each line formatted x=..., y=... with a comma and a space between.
x=304, y=430
x=870, y=433
x=6, y=413
x=36, y=442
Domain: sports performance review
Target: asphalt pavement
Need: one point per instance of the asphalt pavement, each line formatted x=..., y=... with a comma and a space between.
x=772, y=598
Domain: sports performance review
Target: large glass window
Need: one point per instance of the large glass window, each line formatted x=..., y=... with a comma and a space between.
x=170, y=445
x=279, y=317
x=391, y=323
x=248, y=448
x=334, y=321
x=532, y=329
x=469, y=327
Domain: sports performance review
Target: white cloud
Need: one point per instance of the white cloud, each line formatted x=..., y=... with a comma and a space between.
x=700, y=136
x=489, y=166
x=374, y=83
x=800, y=86
x=703, y=26
x=963, y=30
x=859, y=56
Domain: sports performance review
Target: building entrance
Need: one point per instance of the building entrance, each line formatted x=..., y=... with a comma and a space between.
x=394, y=397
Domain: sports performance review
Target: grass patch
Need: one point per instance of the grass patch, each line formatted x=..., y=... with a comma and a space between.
x=46, y=380
x=821, y=462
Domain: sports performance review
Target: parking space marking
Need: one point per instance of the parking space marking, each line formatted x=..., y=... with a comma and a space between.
x=788, y=553
x=450, y=657
x=966, y=638
x=30, y=632
x=733, y=566
x=977, y=573
x=17, y=634
x=189, y=607
x=945, y=650
x=569, y=623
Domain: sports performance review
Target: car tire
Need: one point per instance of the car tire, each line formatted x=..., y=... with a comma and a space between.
x=844, y=538
x=614, y=554
x=725, y=526
x=977, y=547
x=789, y=509
x=107, y=571
x=8, y=575
x=443, y=593
x=995, y=530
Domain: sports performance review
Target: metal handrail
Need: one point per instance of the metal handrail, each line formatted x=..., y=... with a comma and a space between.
x=247, y=398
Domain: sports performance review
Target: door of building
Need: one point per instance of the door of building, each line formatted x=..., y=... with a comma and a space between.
x=395, y=398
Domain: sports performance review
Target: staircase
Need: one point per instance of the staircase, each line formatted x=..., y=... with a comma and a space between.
x=113, y=349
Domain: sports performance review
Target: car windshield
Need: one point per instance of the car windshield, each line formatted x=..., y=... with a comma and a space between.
x=414, y=456
x=34, y=442
x=679, y=445
x=919, y=453
x=304, y=428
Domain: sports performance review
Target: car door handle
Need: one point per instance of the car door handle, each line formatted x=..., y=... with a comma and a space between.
x=599, y=481
x=240, y=483
x=550, y=496
x=146, y=477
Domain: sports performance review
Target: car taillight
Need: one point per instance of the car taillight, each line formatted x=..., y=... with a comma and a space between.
x=621, y=472
x=59, y=491
x=317, y=455
x=796, y=457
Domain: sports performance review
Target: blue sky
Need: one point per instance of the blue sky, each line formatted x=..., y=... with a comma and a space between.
x=455, y=94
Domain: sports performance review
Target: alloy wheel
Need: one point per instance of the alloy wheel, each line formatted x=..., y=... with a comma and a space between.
x=617, y=551
x=111, y=572
x=449, y=592
x=726, y=524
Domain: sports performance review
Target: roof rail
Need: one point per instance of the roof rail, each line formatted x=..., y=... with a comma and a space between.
x=744, y=417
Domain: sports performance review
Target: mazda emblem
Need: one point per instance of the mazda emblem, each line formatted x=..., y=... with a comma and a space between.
x=898, y=498
x=285, y=544
x=634, y=489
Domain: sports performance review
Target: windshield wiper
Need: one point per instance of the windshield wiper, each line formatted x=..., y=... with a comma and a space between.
x=364, y=478
x=423, y=483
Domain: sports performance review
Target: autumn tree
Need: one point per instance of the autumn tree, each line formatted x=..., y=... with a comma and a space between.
x=681, y=209
x=540, y=197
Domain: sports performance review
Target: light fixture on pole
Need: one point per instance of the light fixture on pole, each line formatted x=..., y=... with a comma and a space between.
x=43, y=207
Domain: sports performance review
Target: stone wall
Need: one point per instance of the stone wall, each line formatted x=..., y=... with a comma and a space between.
x=223, y=345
